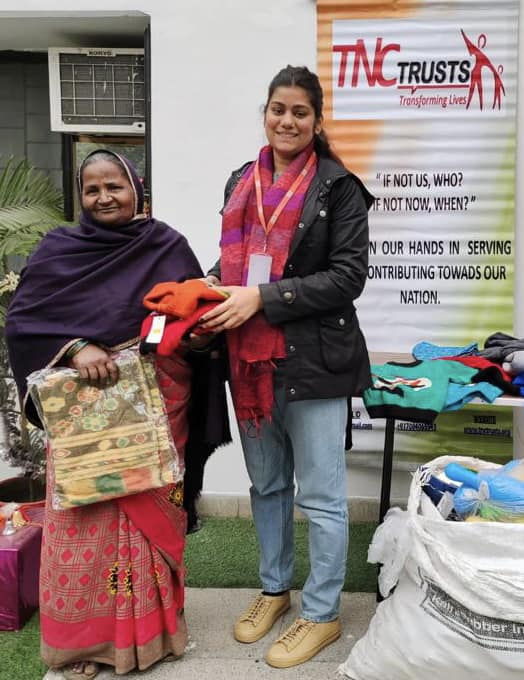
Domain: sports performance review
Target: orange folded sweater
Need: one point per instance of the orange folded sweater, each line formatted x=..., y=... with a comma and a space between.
x=180, y=299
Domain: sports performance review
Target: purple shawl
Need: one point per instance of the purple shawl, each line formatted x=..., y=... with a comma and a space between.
x=89, y=282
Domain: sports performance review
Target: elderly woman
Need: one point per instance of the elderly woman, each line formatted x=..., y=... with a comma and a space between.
x=111, y=579
x=293, y=260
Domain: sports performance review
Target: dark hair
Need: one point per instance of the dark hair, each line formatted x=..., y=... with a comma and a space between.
x=301, y=76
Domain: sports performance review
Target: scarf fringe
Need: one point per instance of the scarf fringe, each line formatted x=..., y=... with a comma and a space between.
x=251, y=369
x=252, y=416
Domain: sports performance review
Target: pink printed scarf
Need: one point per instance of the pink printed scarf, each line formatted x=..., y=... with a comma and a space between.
x=255, y=345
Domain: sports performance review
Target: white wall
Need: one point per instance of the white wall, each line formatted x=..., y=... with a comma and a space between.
x=209, y=81
x=210, y=73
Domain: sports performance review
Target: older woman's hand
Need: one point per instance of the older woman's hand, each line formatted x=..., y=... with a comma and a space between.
x=243, y=303
x=194, y=342
x=94, y=364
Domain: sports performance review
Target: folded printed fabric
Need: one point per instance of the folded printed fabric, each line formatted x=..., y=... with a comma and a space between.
x=105, y=442
x=426, y=350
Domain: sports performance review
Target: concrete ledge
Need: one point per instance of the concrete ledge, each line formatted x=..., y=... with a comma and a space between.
x=230, y=505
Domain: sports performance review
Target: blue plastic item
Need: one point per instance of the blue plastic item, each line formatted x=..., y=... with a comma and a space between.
x=461, y=474
x=495, y=495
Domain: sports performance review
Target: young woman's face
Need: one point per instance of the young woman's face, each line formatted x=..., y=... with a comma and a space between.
x=107, y=194
x=290, y=122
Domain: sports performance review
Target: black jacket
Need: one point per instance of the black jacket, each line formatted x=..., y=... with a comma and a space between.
x=325, y=272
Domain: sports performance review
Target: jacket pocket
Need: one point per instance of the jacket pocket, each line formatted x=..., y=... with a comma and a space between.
x=338, y=335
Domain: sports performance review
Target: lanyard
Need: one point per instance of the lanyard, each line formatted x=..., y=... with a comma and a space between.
x=285, y=199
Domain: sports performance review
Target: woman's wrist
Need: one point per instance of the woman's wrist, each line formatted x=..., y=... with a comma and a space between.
x=75, y=348
x=202, y=344
x=212, y=280
x=260, y=299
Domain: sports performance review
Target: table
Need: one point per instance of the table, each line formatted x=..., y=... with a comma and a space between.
x=389, y=434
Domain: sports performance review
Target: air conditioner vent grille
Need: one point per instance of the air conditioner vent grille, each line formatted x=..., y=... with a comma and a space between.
x=94, y=89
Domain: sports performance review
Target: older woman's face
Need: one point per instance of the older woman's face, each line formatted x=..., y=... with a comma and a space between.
x=107, y=194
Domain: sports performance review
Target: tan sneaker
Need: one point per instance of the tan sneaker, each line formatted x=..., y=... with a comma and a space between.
x=301, y=641
x=259, y=617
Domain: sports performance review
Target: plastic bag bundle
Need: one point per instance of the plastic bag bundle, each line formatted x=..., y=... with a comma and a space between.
x=105, y=442
x=492, y=495
x=454, y=592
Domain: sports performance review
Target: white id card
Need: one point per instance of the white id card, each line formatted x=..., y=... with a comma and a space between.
x=259, y=270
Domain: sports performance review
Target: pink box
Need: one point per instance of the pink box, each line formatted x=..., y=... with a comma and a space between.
x=19, y=573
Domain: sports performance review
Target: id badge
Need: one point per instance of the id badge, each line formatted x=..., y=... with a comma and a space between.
x=259, y=270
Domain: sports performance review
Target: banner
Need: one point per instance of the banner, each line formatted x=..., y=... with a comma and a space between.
x=421, y=103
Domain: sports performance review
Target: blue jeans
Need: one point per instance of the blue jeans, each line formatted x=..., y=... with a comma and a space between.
x=305, y=439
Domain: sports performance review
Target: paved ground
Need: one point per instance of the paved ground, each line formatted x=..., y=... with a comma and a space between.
x=214, y=654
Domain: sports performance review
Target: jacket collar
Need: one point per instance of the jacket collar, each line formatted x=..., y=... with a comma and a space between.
x=328, y=172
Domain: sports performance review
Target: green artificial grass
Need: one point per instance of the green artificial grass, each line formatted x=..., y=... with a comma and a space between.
x=223, y=554
x=20, y=653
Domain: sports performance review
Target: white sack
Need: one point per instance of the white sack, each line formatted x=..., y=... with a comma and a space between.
x=457, y=612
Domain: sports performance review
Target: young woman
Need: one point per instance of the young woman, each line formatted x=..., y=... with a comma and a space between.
x=294, y=254
x=111, y=579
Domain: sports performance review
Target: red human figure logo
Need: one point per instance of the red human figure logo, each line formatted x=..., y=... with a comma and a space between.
x=482, y=62
x=499, y=87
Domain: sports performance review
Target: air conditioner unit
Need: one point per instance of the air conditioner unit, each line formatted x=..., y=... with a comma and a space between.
x=97, y=90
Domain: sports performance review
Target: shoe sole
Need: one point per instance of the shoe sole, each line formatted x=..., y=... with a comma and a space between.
x=319, y=648
x=259, y=636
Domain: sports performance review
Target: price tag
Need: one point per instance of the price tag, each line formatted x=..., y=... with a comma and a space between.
x=157, y=329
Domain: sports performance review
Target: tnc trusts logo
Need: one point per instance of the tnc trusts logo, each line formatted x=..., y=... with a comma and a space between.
x=453, y=74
